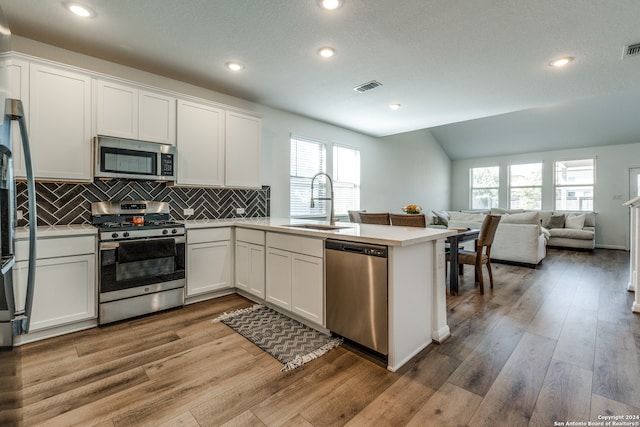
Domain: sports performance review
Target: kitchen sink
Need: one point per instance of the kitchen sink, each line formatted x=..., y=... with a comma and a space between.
x=322, y=227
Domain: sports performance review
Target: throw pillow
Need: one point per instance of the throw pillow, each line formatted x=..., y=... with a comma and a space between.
x=575, y=221
x=556, y=221
x=442, y=218
x=545, y=216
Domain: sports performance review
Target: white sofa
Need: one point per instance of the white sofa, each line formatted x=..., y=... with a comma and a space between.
x=574, y=230
x=519, y=237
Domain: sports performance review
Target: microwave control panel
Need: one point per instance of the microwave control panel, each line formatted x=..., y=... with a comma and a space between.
x=166, y=164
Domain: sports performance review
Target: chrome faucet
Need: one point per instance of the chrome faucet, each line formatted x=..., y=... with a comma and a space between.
x=333, y=218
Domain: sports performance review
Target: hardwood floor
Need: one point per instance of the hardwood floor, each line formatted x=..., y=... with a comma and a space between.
x=554, y=344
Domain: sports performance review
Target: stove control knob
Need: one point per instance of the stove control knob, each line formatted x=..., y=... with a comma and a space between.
x=126, y=234
x=114, y=235
x=174, y=231
x=165, y=231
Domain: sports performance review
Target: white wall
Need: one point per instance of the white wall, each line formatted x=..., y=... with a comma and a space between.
x=395, y=171
x=611, y=190
x=416, y=170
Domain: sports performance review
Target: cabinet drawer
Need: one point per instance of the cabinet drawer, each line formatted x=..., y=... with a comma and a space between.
x=250, y=236
x=57, y=247
x=208, y=235
x=301, y=245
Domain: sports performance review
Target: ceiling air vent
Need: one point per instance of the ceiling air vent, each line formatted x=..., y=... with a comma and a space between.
x=632, y=50
x=367, y=86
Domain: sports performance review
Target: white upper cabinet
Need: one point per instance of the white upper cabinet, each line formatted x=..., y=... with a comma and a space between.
x=60, y=123
x=157, y=118
x=200, y=144
x=242, y=153
x=129, y=112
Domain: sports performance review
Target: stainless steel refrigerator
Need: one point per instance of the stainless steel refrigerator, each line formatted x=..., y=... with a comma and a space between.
x=14, y=315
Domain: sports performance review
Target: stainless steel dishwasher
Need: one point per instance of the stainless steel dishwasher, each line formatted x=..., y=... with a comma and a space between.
x=356, y=288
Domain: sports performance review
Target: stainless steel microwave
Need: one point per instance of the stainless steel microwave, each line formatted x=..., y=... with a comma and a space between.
x=127, y=158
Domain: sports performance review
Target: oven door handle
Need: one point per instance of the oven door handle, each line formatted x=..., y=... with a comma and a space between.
x=109, y=245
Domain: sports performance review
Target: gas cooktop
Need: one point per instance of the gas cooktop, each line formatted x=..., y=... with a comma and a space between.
x=133, y=219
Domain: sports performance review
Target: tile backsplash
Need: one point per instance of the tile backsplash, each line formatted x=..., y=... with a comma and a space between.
x=63, y=203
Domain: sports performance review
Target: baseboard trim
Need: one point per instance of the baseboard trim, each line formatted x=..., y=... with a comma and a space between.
x=614, y=247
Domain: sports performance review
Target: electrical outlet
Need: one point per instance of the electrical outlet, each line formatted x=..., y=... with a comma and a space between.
x=188, y=211
x=18, y=214
x=240, y=211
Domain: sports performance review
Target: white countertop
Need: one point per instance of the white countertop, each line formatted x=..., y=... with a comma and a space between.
x=57, y=231
x=365, y=233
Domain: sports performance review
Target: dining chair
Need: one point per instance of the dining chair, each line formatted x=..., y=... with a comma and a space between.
x=375, y=218
x=354, y=216
x=413, y=220
x=482, y=253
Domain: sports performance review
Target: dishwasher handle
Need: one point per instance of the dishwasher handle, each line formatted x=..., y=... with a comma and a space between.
x=356, y=248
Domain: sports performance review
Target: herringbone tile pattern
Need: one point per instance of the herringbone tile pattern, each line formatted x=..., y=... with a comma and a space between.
x=64, y=203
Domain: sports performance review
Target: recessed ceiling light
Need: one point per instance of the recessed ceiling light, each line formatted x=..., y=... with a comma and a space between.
x=561, y=62
x=394, y=106
x=330, y=4
x=326, y=52
x=234, y=66
x=80, y=10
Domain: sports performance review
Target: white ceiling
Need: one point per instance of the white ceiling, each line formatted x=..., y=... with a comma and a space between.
x=448, y=63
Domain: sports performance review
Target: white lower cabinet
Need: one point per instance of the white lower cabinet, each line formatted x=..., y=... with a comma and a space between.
x=295, y=275
x=250, y=261
x=279, y=277
x=307, y=290
x=65, y=285
x=208, y=260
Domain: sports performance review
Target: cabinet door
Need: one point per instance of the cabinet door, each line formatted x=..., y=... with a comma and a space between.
x=278, y=277
x=256, y=270
x=242, y=145
x=60, y=123
x=200, y=142
x=208, y=267
x=307, y=289
x=64, y=292
x=157, y=118
x=14, y=74
x=117, y=113
x=250, y=268
x=242, y=266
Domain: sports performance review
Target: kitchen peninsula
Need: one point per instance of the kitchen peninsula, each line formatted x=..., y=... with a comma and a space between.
x=221, y=256
x=416, y=274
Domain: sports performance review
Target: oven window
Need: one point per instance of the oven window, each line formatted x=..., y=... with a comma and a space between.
x=145, y=268
x=128, y=161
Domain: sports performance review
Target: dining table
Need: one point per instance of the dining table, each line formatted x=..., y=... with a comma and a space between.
x=463, y=235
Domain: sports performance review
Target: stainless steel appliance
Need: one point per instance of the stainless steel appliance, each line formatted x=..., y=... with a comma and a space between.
x=141, y=258
x=14, y=315
x=356, y=293
x=127, y=158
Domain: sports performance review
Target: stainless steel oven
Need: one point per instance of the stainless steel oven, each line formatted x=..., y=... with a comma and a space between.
x=141, y=259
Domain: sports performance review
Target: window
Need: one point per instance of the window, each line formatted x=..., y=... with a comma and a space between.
x=307, y=158
x=574, y=181
x=346, y=179
x=485, y=183
x=525, y=186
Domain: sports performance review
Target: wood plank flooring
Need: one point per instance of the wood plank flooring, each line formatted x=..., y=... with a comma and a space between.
x=548, y=345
